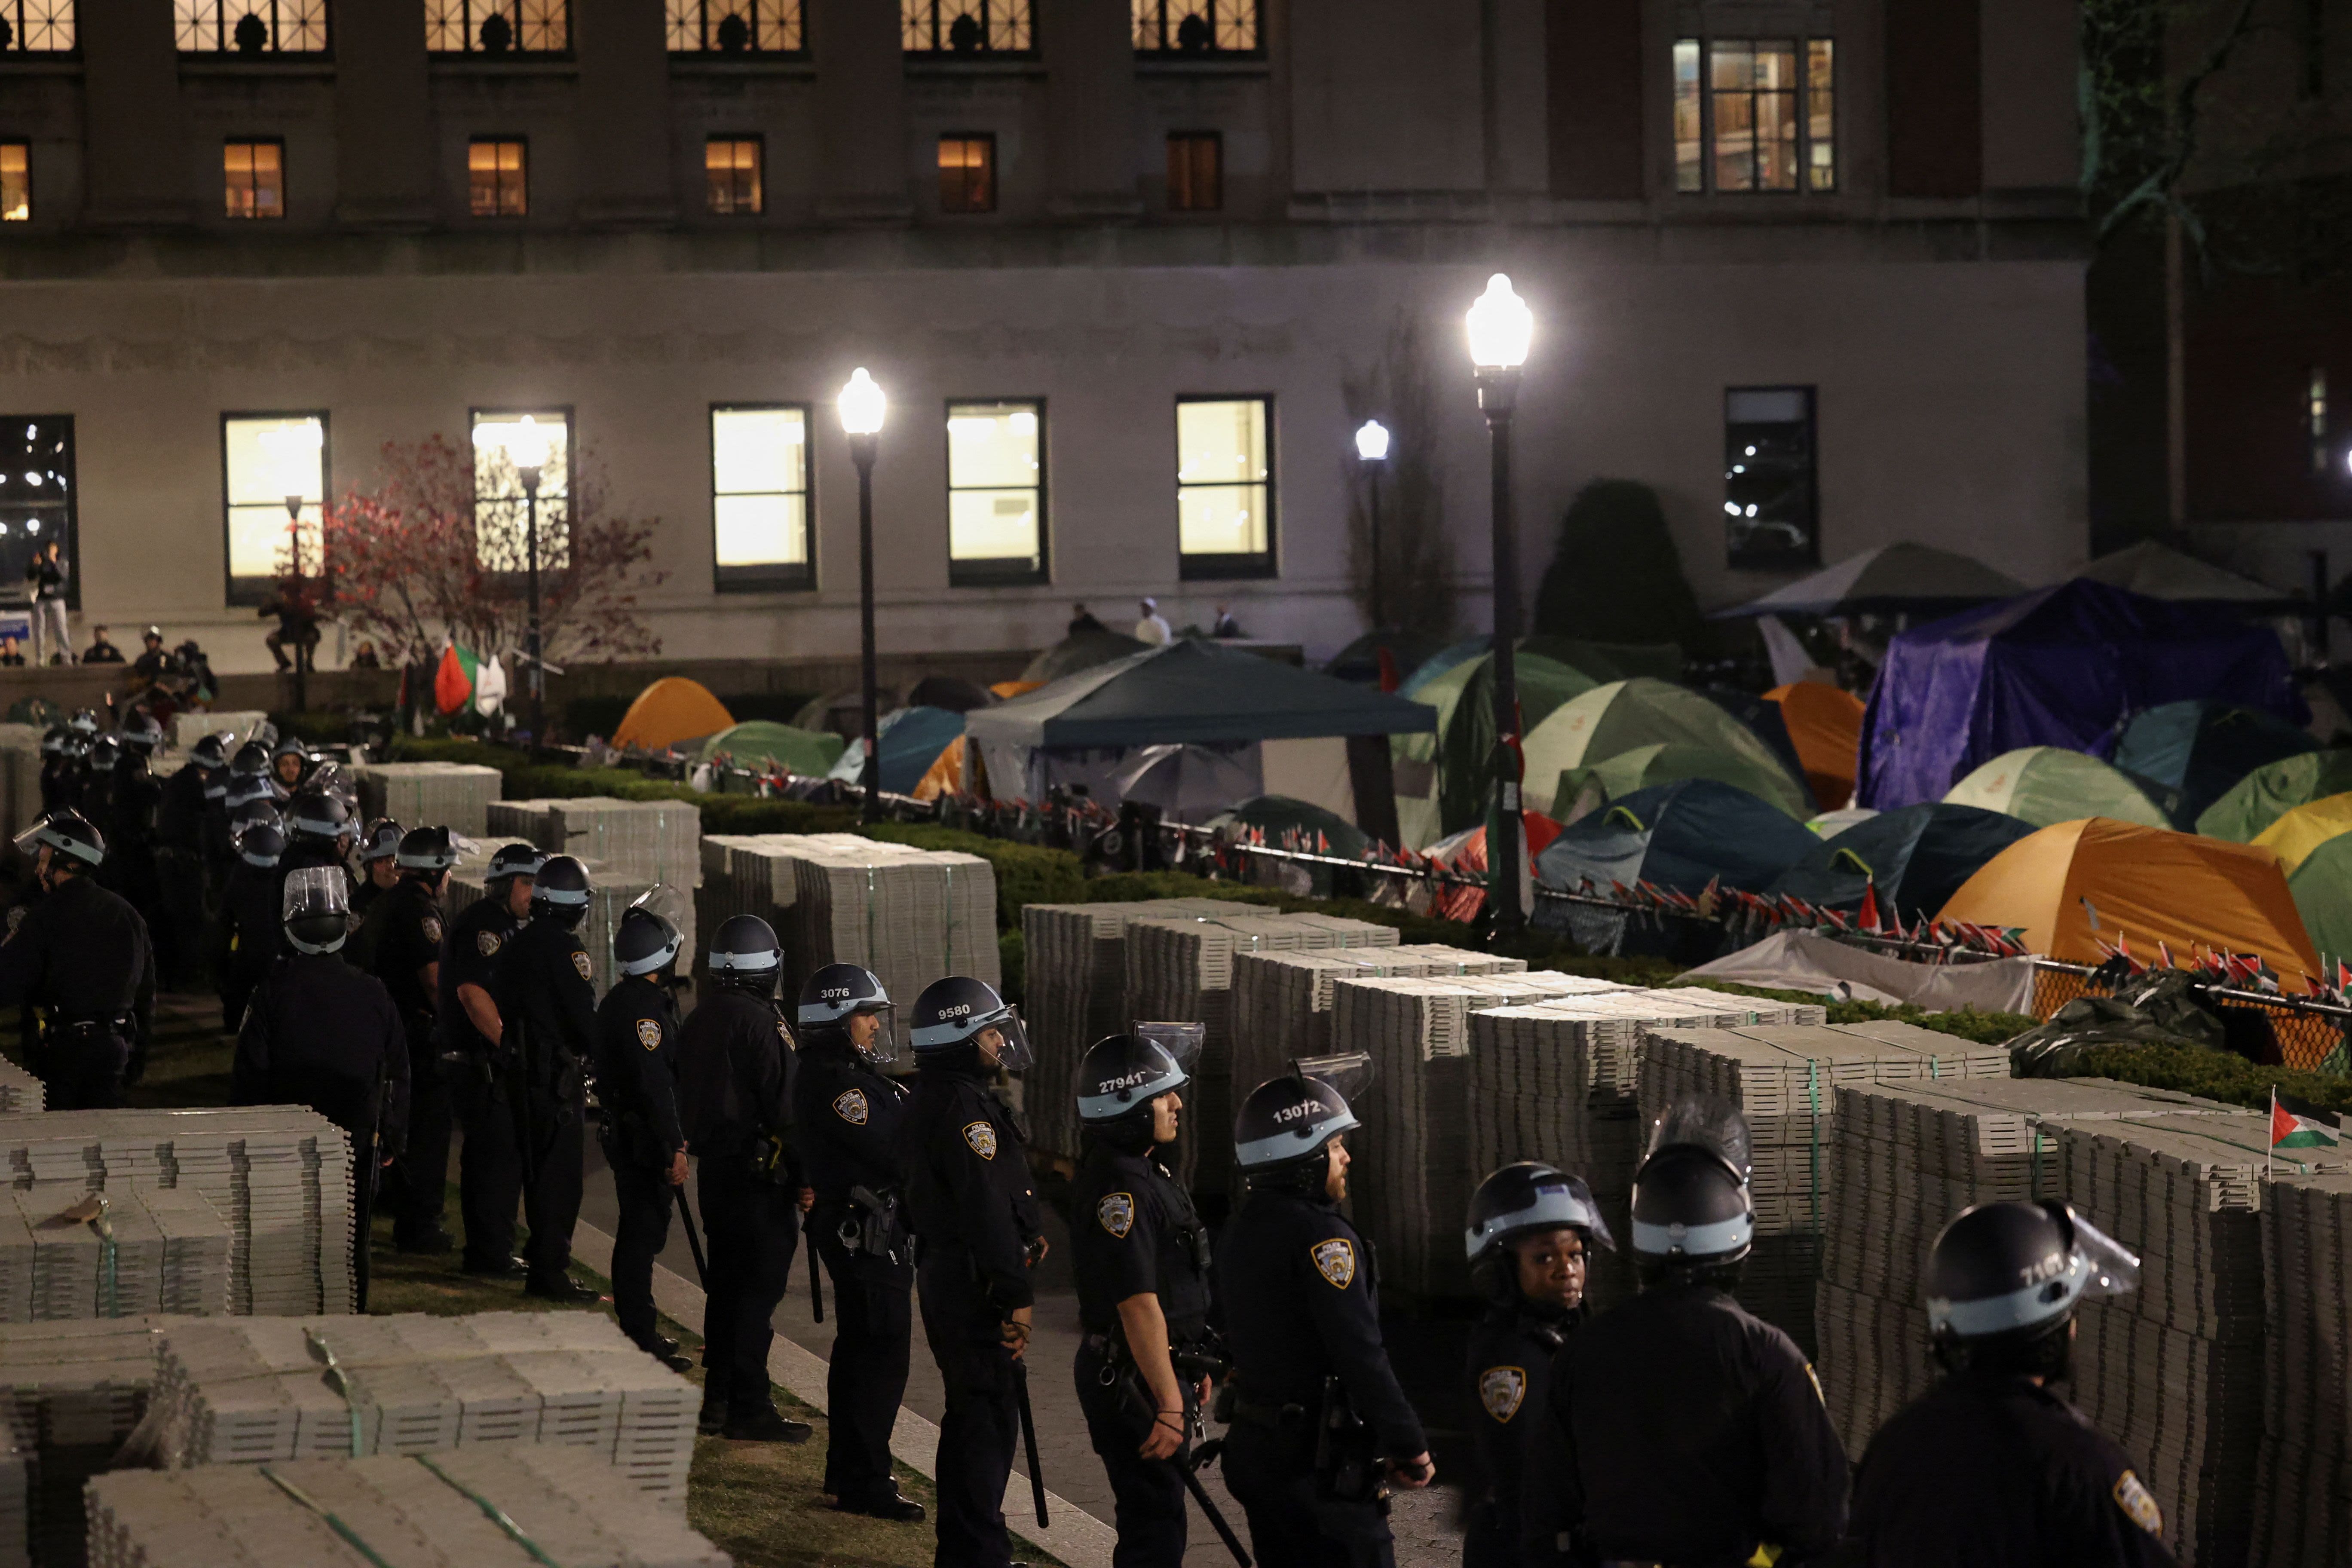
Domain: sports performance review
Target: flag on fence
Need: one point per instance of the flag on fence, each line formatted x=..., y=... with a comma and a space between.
x=2297, y=1125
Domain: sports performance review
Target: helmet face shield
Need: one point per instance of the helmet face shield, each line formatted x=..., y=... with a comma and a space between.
x=666, y=903
x=1012, y=1054
x=315, y=891
x=2106, y=1268
x=1182, y=1042
x=1348, y=1073
x=1697, y=1122
x=882, y=1046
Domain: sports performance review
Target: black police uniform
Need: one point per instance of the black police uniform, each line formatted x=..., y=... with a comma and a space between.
x=636, y=1082
x=135, y=798
x=847, y=1118
x=1133, y=1232
x=734, y=1096
x=319, y=1033
x=489, y=1163
x=975, y=1220
x=1683, y=1430
x=81, y=959
x=250, y=935
x=180, y=874
x=1301, y=1301
x=1992, y=1469
x=402, y=940
x=545, y=995
x=59, y=784
x=1511, y=1352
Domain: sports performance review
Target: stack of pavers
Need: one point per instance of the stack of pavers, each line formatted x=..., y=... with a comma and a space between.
x=20, y=775
x=66, y=1252
x=2303, y=1491
x=1282, y=1001
x=237, y=724
x=19, y=1090
x=634, y=840
x=69, y=1394
x=279, y=1175
x=478, y=1508
x=609, y=899
x=912, y=916
x=260, y=1390
x=455, y=795
x=1784, y=1079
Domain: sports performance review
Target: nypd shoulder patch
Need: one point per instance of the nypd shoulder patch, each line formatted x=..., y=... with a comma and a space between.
x=850, y=1106
x=2138, y=1505
x=1116, y=1213
x=431, y=930
x=580, y=963
x=1500, y=1390
x=1336, y=1261
x=486, y=943
x=649, y=1034
x=981, y=1136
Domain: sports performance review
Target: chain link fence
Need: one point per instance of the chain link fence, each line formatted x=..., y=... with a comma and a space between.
x=2302, y=1035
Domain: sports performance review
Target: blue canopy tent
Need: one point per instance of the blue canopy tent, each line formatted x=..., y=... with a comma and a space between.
x=1681, y=836
x=911, y=741
x=1917, y=857
x=2062, y=667
x=2203, y=749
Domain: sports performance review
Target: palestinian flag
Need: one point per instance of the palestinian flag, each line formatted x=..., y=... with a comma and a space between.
x=2296, y=1125
x=453, y=683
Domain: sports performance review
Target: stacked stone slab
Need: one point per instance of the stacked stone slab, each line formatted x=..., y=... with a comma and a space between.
x=456, y=796
x=71, y=1394
x=19, y=1090
x=238, y=725
x=20, y=775
x=2303, y=1491
x=1282, y=1001
x=66, y=1252
x=471, y=1508
x=633, y=840
x=609, y=899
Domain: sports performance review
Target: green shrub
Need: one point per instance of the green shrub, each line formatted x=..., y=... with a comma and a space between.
x=1615, y=575
x=2216, y=1075
x=1013, y=954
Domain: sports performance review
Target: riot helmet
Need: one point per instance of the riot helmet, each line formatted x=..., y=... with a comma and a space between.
x=2003, y=1279
x=209, y=752
x=139, y=733
x=382, y=840
x=958, y=1010
x=318, y=818
x=647, y=939
x=744, y=955
x=1528, y=1199
x=1285, y=1125
x=1121, y=1074
x=425, y=849
x=560, y=891
x=247, y=793
x=841, y=992
x=84, y=722
x=261, y=843
x=513, y=860
x=105, y=751
x=53, y=740
x=68, y=837
x=291, y=746
x=250, y=761
x=316, y=908
x=1693, y=1215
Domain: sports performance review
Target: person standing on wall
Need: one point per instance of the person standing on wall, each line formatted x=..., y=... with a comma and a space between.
x=52, y=643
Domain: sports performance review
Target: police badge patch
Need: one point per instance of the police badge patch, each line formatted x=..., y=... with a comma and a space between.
x=2137, y=1506
x=580, y=963
x=431, y=930
x=1116, y=1213
x=1500, y=1389
x=1336, y=1261
x=851, y=1106
x=486, y=943
x=649, y=1034
x=981, y=1136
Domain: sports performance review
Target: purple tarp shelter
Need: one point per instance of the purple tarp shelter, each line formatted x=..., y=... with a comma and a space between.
x=2067, y=667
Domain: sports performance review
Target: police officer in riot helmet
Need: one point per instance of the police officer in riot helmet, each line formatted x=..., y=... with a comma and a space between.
x=135, y=798
x=1140, y=1257
x=847, y=1112
x=1531, y=1237
x=475, y=1056
x=399, y=942
x=319, y=1033
x=81, y=959
x=545, y=990
x=979, y=1232
x=734, y=1081
x=379, y=855
x=179, y=832
x=56, y=769
x=1680, y=1428
x=1992, y=1466
x=637, y=1083
x=96, y=796
x=319, y=832
x=288, y=763
x=251, y=930
x=1320, y=1429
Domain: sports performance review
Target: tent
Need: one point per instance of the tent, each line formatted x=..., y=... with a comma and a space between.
x=762, y=740
x=1825, y=726
x=2062, y=667
x=671, y=710
x=1626, y=714
x=2160, y=572
x=1680, y=835
x=1894, y=579
x=1080, y=651
x=951, y=692
x=1830, y=824
x=1917, y=858
x=2269, y=793
x=2294, y=835
x=2202, y=748
x=1276, y=814
x=1465, y=743
x=2322, y=888
x=2043, y=785
x=911, y=741
x=1597, y=661
x=1190, y=784
x=1765, y=720
x=2078, y=884
x=1359, y=661
x=1580, y=790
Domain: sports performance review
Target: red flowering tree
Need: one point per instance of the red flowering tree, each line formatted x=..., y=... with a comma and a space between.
x=418, y=557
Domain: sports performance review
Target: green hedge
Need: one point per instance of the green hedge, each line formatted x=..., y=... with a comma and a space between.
x=2217, y=1075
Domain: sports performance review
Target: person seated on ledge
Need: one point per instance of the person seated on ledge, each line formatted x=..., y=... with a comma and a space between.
x=10, y=653
x=101, y=648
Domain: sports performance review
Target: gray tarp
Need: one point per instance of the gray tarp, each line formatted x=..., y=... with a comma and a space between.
x=1804, y=961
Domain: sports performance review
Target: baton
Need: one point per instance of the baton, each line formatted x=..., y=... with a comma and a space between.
x=816, y=1287
x=1136, y=1401
x=693, y=1241
x=1029, y=1439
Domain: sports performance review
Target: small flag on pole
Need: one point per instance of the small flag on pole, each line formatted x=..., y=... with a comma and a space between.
x=2297, y=1125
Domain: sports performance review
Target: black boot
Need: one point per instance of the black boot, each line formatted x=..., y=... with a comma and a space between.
x=892, y=1504
x=563, y=1288
x=765, y=1426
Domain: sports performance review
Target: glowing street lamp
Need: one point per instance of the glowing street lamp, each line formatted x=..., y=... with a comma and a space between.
x=525, y=445
x=1500, y=329
x=1372, y=451
x=862, y=408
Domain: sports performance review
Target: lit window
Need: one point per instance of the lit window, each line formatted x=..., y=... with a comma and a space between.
x=1225, y=487
x=16, y=181
x=1755, y=114
x=965, y=26
x=497, y=178
x=2316, y=404
x=256, y=178
x=759, y=498
x=38, y=495
x=37, y=28
x=497, y=26
x=1768, y=501
x=1196, y=26
x=501, y=502
x=996, y=492
x=968, y=173
x=735, y=27
x=1196, y=171
x=731, y=171
x=267, y=458
x=251, y=27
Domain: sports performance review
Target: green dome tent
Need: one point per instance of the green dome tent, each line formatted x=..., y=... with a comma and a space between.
x=2203, y=749
x=2322, y=888
x=1630, y=715
x=2269, y=791
x=2047, y=784
x=801, y=751
x=1442, y=777
x=1614, y=778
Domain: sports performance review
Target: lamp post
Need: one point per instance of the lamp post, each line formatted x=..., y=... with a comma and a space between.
x=1372, y=451
x=525, y=449
x=1500, y=325
x=861, y=407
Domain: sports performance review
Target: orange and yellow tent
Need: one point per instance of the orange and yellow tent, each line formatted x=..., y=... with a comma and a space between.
x=2294, y=835
x=1825, y=726
x=2076, y=884
x=671, y=710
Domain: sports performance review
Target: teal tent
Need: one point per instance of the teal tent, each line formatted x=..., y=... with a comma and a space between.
x=2203, y=749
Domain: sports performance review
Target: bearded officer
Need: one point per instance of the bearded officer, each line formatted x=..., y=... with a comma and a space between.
x=1531, y=1235
x=1321, y=1429
x=1680, y=1429
x=474, y=1051
x=979, y=1232
x=637, y=1083
x=734, y=1081
x=545, y=990
x=1140, y=1257
x=847, y=1115
x=1993, y=1468
x=81, y=959
x=399, y=942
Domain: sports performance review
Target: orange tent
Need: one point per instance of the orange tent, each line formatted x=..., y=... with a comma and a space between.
x=2075, y=884
x=671, y=710
x=1825, y=726
x=946, y=775
x=1013, y=688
